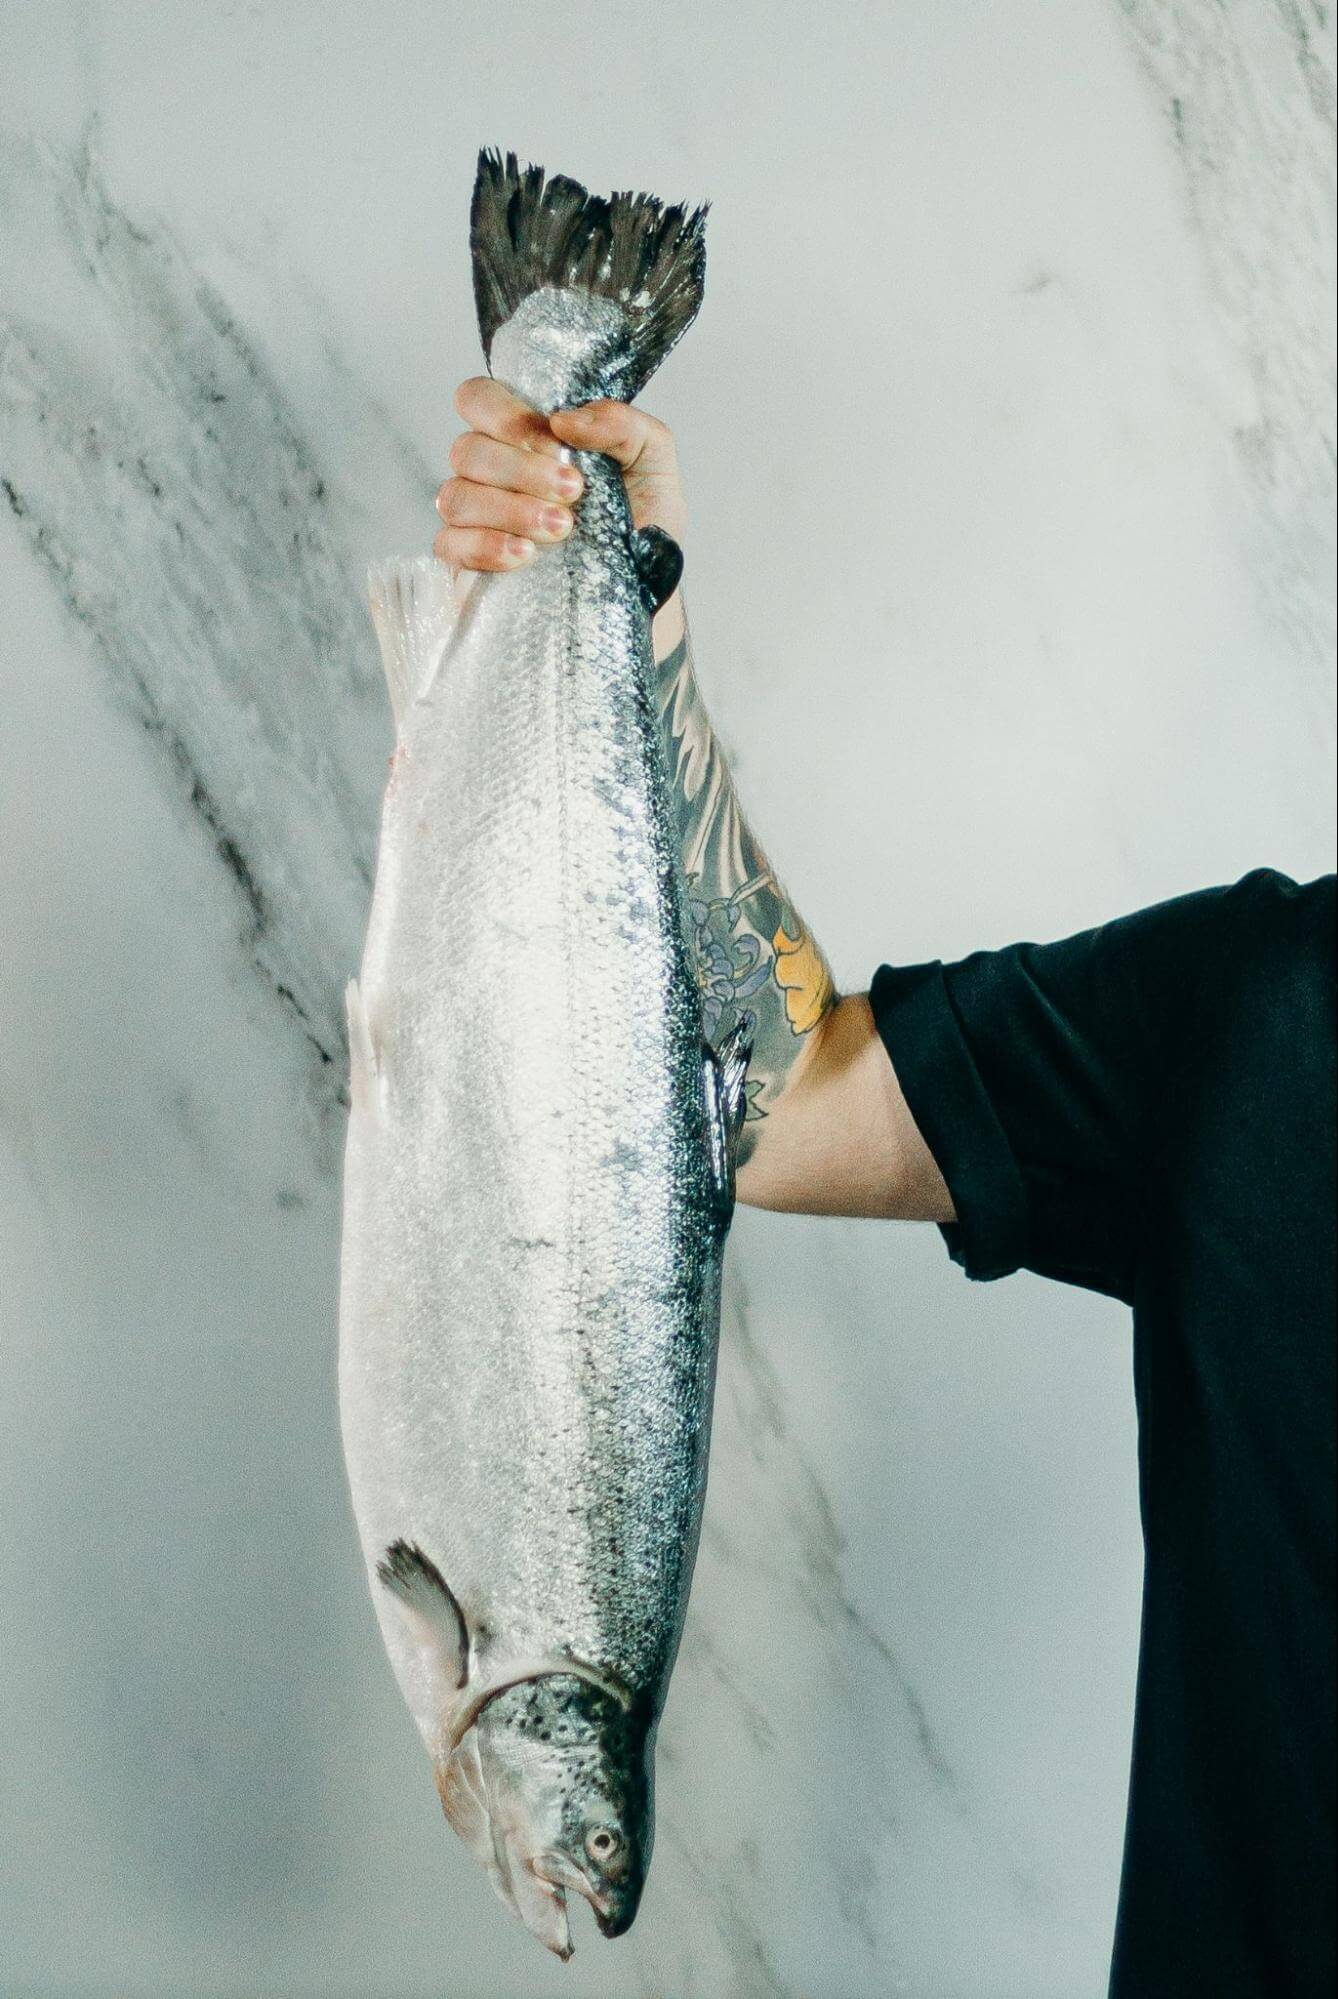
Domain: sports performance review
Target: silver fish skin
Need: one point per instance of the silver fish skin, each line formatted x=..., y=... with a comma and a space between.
x=538, y=1177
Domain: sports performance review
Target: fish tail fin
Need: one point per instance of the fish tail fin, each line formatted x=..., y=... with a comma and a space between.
x=415, y=606
x=643, y=256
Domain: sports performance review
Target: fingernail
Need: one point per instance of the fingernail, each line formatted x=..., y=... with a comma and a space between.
x=568, y=480
x=556, y=520
x=518, y=550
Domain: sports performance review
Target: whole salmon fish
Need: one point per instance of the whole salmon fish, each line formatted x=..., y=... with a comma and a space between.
x=538, y=1178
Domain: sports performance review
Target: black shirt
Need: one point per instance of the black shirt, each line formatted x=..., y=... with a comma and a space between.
x=1148, y=1110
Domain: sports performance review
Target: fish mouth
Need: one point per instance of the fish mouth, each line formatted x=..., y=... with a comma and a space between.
x=535, y=1889
x=558, y=1873
x=615, y=1923
x=540, y=1902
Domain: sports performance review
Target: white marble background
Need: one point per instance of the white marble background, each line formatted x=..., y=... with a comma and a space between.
x=1008, y=431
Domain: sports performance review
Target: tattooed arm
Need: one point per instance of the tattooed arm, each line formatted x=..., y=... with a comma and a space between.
x=828, y=1130
x=753, y=954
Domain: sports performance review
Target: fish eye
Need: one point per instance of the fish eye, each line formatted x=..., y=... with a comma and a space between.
x=603, y=1843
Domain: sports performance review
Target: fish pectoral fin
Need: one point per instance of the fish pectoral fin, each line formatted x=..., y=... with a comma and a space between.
x=725, y=1072
x=658, y=561
x=364, y=1063
x=427, y=1600
x=517, y=1673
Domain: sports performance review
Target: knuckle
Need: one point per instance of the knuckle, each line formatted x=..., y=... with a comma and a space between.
x=497, y=549
x=661, y=436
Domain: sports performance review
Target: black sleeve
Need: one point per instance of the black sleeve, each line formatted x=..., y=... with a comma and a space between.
x=1036, y=1075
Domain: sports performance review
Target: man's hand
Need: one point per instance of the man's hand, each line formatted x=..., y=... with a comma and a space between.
x=511, y=488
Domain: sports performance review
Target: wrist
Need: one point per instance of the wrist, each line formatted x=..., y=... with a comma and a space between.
x=668, y=627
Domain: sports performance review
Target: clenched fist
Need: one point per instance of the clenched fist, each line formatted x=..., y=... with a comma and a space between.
x=511, y=488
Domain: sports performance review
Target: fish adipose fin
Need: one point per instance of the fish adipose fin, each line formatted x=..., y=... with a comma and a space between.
x=427, y=1599
x=658, y=561
x=725, y=1071
x=528, y=234
x=414, y=609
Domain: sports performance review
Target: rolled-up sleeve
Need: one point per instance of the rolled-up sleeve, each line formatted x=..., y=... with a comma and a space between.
x=1043, y=1076
x=951, y=1105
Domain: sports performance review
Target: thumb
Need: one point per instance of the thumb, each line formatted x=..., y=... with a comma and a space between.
x=637, y=442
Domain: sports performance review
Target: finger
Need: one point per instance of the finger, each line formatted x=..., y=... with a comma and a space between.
x=485, y=405
x=617, y=429
x=463, y=504
x=485, y=462
x=481, y=548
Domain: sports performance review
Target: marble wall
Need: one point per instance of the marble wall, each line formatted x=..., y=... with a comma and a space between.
x=1008, y=433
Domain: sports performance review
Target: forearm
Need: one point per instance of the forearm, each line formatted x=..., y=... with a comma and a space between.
x=753, y=953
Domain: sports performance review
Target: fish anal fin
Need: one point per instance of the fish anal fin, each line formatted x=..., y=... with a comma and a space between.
x=429, y=1603
x=415, y=608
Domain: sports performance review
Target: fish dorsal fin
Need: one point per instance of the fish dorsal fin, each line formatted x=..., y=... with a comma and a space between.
x=415, y=608
x=725, y=1072
x=429, y=1604
x=516, y=1673
x=658, y=561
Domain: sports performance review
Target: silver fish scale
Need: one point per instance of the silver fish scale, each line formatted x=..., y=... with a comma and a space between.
x=532, y=1239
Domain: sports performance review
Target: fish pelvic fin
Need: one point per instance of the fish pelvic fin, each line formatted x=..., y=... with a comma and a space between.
x=364, y=1067
x=415, y=607
x=529, y=233
x=429, y=1603
x=725, y=1074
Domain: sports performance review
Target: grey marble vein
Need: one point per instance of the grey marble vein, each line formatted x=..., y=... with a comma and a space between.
x=826, y=1713
x=159, y=476
x=1248, y=91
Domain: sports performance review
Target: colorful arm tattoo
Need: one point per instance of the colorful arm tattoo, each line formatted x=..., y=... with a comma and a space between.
x=753, y=954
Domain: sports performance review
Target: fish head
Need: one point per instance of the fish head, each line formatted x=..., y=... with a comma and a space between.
x=565, y=1771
